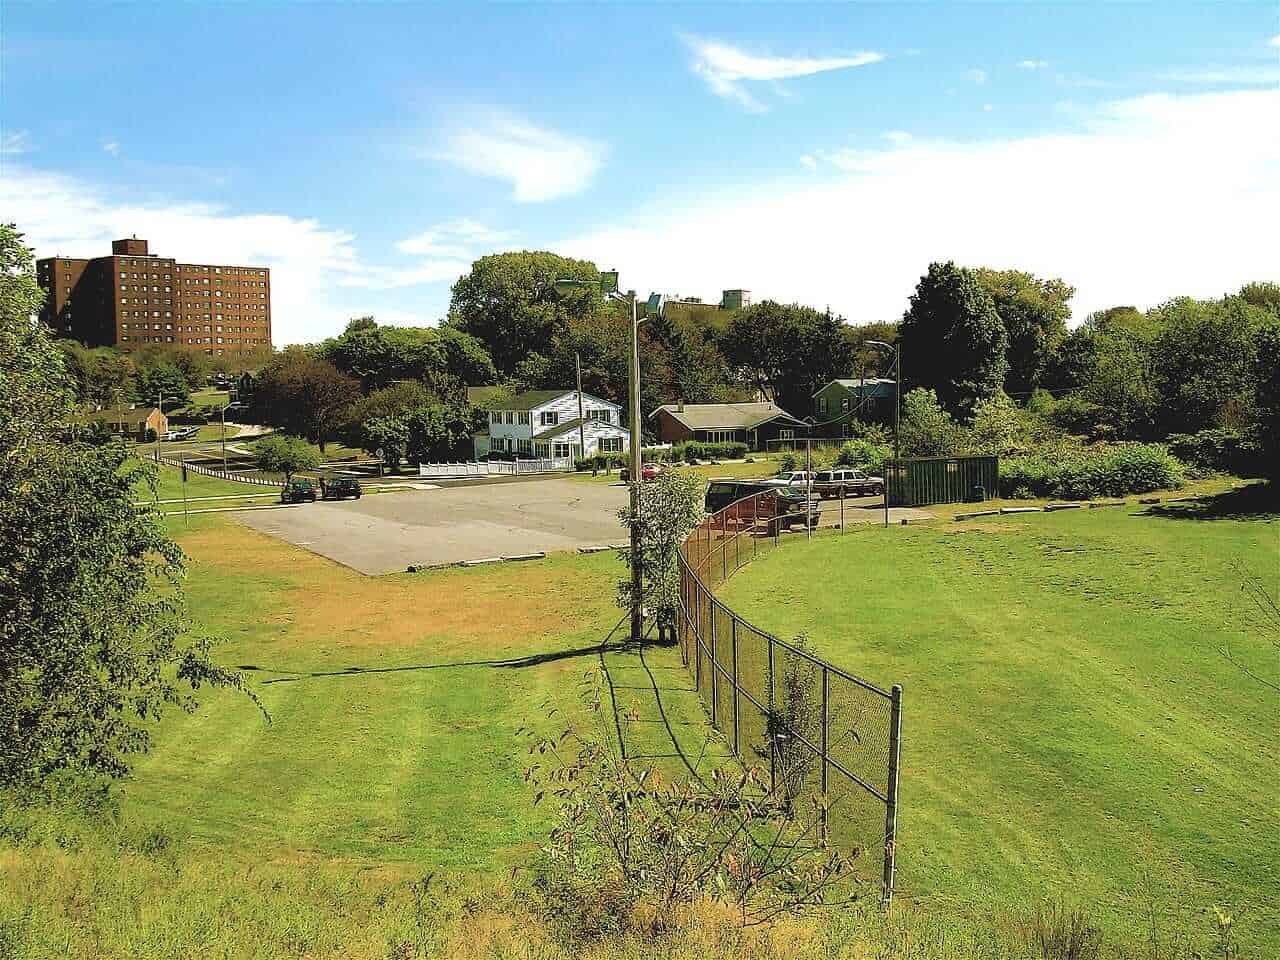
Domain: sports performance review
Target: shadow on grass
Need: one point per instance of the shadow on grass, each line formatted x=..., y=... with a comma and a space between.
x=1257, y=501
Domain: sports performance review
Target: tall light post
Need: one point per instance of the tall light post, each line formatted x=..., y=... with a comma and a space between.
x=897, y=413
x=637, y=581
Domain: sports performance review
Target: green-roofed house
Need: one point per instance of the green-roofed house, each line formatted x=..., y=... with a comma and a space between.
x=844, y=400
x=546, y=424
x=754, y=424
x=137, y=423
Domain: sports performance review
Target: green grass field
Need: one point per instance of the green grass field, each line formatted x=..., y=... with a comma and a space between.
x=1071, y=725
x=169, y=486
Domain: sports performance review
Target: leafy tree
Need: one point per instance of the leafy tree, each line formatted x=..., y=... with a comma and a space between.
x=508, y=301
x=952, y=339
x=1202, y=362
x=443, y=359
x=1266, y=397
x=1263, y=295
x=163, y=384
x=390, y=435
x=304, y=394
x=441, y=432
x=285, y=454
x=671, y=505
x=927, y=430
x=788, y=351
x=93, y=633
x=397, y=400
x=102, y=376
x=1000, y=427
x=1072, y=362
x=1121, y=388
x=868, y=361
x=1035, y=314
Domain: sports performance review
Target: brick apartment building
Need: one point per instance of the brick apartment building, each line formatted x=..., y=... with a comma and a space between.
x=135, y=297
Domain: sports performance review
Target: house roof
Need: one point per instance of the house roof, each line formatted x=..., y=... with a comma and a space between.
x=571, y=426
x=725, y=416
x=536, y=398
x=853, y=383
x=481, y=395
x=120, y=414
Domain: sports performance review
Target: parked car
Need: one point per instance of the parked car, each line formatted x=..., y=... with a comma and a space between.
x=788, y=504
x=186, y=433
x=847, y=482
x=298, y=490
x=647, y=472
x=341, y=488
x=789, y=478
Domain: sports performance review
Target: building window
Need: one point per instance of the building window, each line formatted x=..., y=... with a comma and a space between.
x=844, y=404
x=495, y=417
x=610, y=445
x=822, y=404
x=603, y=414
x=720, y=436
x=786, y=433
x=523, y=418
x=510, y=417
x=549, y=418
x=561, y=450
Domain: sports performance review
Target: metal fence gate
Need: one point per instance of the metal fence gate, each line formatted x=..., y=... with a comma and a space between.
x=822, y=731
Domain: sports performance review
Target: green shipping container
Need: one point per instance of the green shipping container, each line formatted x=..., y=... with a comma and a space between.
x=925, y=480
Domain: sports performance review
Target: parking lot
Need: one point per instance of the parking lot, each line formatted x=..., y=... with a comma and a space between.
x=387, y=533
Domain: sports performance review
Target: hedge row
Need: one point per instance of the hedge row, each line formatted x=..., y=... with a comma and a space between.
x=1111, y=471
x=1217, y=451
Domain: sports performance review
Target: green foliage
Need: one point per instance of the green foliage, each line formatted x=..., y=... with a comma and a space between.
x=304, y=394
x=443, y=359
x=789, y=350
x=387, y=434
x=1072, y=362
x=1217, y=451
x=92, y=624
x=927, y=430
x=165, y=382
x=280, y=453
x=508, y=301
x=1202, y=362
x=953, y=341
x=691, y=451
x=1035, y=314
x=1001, y=427
x=670, y=507
x=1088, y=473
x=103, y=377
x=864, y=453
x=1266, y=399
x=441, y=432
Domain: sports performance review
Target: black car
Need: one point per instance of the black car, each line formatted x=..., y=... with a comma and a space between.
x=298, y=490
x=342, y=488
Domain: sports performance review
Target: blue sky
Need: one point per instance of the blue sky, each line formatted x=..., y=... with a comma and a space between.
x=367, y=152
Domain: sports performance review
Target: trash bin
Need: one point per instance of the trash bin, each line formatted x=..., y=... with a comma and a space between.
x=978, y=494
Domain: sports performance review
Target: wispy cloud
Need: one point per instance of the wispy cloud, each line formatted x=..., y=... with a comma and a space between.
x=1117, y=163
x=19, y=141
x=898, y=136
x=540, y=164
x=1275, y=41
x=1253, y=76
x=808, y=161
x=1033, y=64
x=444, y=252
x=112, y=147
x=726, y=68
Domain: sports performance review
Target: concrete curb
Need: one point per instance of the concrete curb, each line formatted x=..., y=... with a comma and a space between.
x=1054, y=507
x=481, y=562
x=525, y=556
x=981, y=513
x=593, y=549
x=1108, y=503
x=1021, y=510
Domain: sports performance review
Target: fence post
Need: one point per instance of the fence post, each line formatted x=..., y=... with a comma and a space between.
x=697, y=637
x=755, y=534
x=842, y=509
x=891, y=807
x=773, y=774
x=724, y=545
x=733, y=636
x=715, y=679
x=826, y=725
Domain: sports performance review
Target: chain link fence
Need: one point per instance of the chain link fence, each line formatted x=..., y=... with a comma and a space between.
x=822, y=732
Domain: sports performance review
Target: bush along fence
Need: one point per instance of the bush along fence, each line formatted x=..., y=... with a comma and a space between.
x=822, y=732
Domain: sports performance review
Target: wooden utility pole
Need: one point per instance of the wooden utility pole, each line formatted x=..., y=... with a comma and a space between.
x=582, y=429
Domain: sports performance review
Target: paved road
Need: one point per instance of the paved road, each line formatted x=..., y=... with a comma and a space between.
x=387, y=533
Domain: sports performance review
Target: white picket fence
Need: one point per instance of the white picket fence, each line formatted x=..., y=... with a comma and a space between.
x=494, y=468
x=210, y=472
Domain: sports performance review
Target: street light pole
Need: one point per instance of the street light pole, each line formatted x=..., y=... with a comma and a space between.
x=637, y=578
x=897, y=416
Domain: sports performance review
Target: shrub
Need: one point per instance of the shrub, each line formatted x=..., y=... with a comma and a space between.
x=1086, y=473
x=693, y=450
x=867, y=454
x=1217, y=451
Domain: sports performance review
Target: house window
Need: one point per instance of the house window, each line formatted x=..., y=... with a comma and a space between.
x=602, y=414
x=549, y=418
x=720, y=436
x=523, y=418
x=844, y=404
x=610, y=445
x=511, y=417
x=495, y=417
x=822, y=404
x=561, y=450
x=786, y=433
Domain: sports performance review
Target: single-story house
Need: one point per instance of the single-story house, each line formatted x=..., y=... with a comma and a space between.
x=844, y=400
x=545, y=423
x=754, y=424
x=131, y=422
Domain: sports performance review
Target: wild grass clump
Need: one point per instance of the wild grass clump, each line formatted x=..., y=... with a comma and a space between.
x=1090, y=472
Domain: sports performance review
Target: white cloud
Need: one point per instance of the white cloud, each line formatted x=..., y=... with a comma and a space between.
x=19, y=141
x=725, y=67
x=73, y=217
x=987, y=108
x=540, y=164
x=1239, y=76
x=111, y=147
x=1275, y=41
x=808, y=161
x=898, y=136
x=1141, y=200
x=447, y=251
x=1033, y=64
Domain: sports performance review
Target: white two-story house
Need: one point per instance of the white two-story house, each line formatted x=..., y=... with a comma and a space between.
x=546, y=424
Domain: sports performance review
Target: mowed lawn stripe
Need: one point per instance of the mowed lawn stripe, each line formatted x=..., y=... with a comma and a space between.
x=1071, y=725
